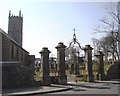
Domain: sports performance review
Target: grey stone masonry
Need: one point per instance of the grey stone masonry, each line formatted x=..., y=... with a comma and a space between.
x=15, y=27
x=0, y=63
x=100, y=75
x=88, y=63
x=61, y=63
x=45, y=65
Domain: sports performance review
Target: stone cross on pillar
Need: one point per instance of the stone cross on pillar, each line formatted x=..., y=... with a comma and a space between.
x=45, y=64
x=61, y=63
x=100, y=75
x=88, y=63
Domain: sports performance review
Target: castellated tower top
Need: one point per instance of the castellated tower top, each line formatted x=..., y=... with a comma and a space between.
x=15, y=27
x=20, y=15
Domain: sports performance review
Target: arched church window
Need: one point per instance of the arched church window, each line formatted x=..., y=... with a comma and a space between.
x=17, y=54
x=12, y=51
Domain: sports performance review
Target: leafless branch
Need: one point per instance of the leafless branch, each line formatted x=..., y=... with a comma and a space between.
x=105, y=22
x=115, y=17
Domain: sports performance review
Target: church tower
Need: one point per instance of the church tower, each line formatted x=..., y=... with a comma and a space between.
x=15, y=26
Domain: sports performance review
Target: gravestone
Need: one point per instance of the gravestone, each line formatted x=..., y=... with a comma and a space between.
x=77, y=72
x=72, y=69
x=45, y=63
x=61, y=63
x=88, y=63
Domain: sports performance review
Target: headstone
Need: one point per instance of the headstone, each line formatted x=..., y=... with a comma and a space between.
x=45, y=63
x=77, y=72
x=72, y=69
x=88, y=63
x=61, y=63
x=100, y=75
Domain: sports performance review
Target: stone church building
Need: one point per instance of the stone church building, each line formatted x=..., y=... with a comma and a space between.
x=16, y=64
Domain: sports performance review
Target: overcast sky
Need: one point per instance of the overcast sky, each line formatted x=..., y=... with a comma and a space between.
x=45, y=24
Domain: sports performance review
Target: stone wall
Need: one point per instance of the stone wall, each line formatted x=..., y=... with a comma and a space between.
x=0, y=63
x=11, y=51
x=14, y=75
x=16, y=64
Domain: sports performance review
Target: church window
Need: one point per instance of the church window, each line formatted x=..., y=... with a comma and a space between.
x=17, y=54
x=21, y=56
x=12, y=51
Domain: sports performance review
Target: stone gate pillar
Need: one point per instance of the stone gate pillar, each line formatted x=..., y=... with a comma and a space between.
x=88, y=63
x=100, y=75
x=45, y=65
x=61, y=63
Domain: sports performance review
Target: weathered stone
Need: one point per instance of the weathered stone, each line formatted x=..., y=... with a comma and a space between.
x=31, y=66
x=45, y=63
x=15, y=27
x=61, y=63
x=100, y=75
x=16, y=63
x=0, y=63
x=88, y=63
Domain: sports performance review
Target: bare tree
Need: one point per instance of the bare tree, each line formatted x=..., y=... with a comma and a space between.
x=96, y=45
x=111, y=26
